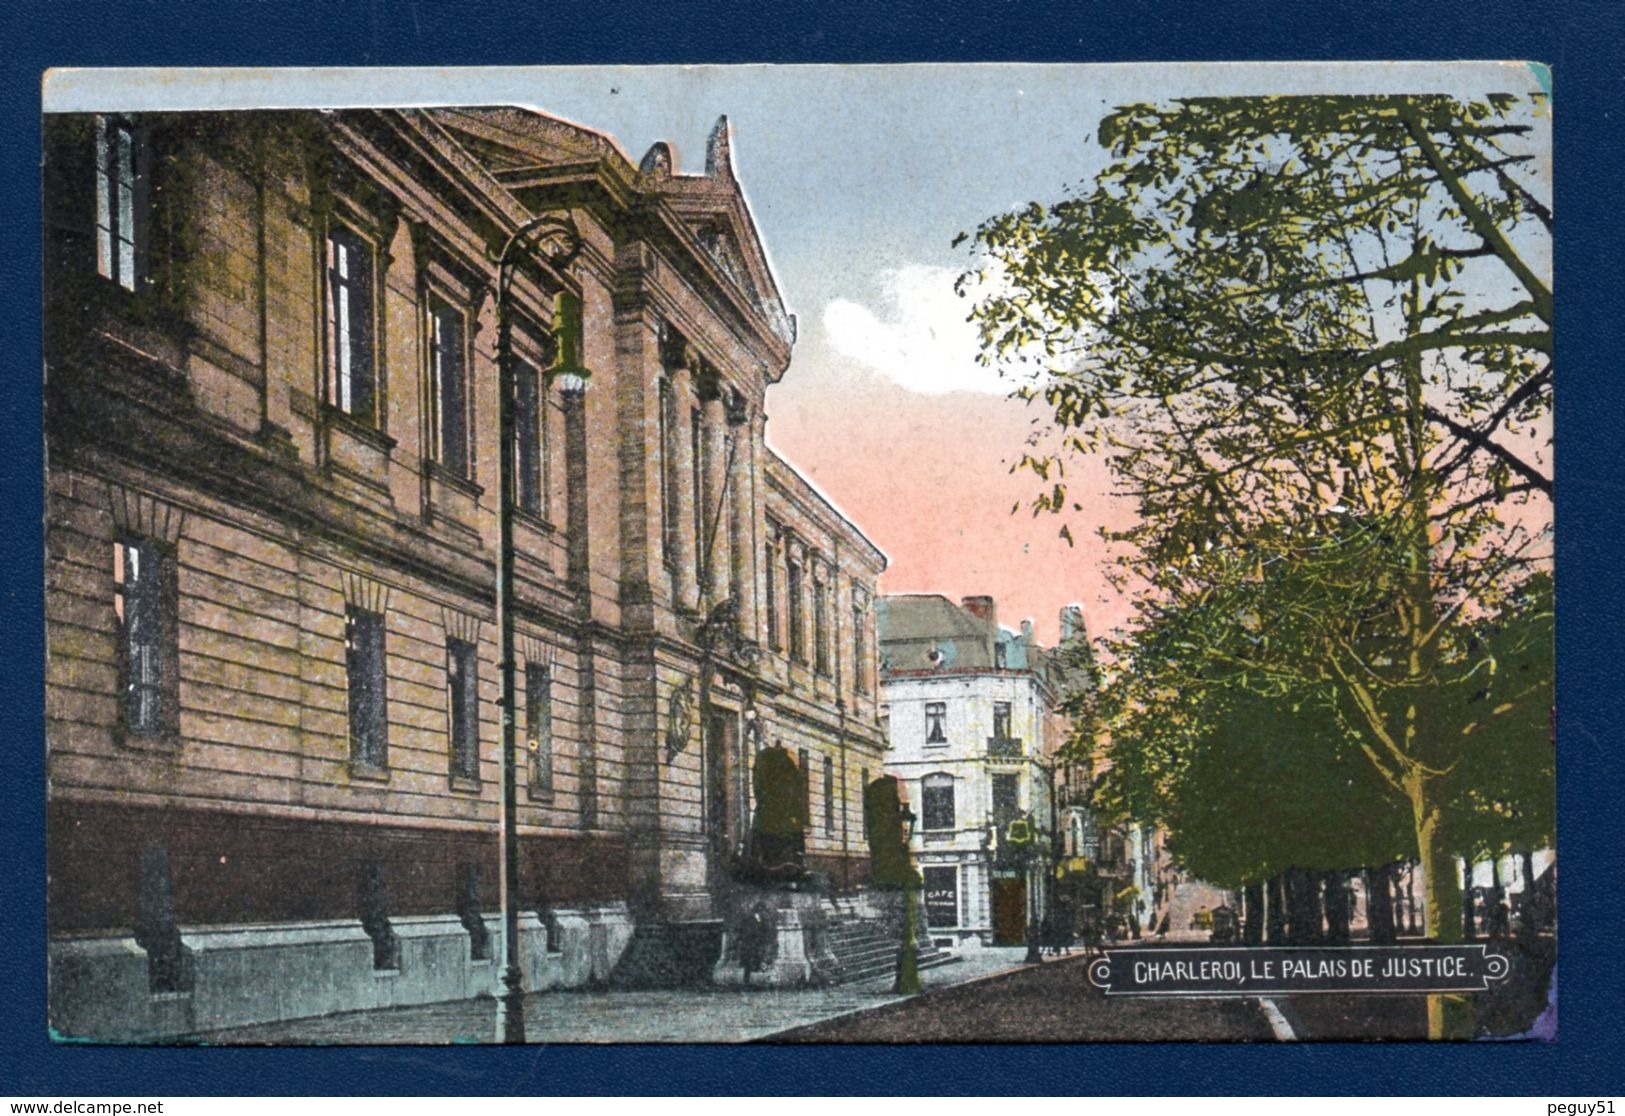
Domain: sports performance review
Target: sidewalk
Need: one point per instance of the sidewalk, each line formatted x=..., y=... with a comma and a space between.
x=684, y=1015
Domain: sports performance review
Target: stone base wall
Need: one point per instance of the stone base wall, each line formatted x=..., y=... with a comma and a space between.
x=100, y=990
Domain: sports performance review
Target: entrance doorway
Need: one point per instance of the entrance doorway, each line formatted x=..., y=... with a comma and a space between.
x=1009, y=911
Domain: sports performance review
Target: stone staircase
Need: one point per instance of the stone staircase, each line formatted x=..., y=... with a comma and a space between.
x=862, y=946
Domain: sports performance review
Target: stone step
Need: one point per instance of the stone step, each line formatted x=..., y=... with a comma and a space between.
x=866, y=949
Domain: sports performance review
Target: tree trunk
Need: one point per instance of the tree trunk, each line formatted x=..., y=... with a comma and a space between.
x=1252, y=906
x=1428, y=745
x=1337, y=908
x=1411, y=923
x=1303, y=907
x=1275, y=924
x=1292, y=891
x=1469, y=926
x=1527, y=922
x=1496, y=926
x=1379, y=904
x=1450, y=1015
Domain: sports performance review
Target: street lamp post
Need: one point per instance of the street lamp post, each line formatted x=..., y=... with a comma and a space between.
x=908, y=957
x=559, y=241
x=1032, y=862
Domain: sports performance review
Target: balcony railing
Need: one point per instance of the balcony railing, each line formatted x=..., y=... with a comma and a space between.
x=1004, y=747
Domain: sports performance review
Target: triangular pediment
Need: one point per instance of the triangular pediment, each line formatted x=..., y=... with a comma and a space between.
x=713, y=207
x=513, y=142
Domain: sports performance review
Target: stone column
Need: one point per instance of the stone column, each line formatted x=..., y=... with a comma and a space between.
x=742, y=521
x=679, y=367
x=761, y=547
x=714, y=531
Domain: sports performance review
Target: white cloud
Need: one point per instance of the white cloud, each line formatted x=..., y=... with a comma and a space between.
x=920, y=338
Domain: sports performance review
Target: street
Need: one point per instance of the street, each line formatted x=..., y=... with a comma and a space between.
x=1056, y=1003
x=1052, y=1002
x=986, y=996
x=676, y=1015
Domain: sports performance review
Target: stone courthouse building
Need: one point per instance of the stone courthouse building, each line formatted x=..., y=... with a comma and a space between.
x=272, y=686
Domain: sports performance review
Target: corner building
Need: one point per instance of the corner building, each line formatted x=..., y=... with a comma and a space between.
x=273, y=682
x=974, y=720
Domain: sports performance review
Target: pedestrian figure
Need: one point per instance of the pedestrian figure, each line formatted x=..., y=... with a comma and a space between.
x=1092, y=942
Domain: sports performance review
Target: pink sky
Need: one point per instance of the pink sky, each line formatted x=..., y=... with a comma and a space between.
x=926, y=477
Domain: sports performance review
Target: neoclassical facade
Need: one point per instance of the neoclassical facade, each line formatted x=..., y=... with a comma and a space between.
x=272, y=686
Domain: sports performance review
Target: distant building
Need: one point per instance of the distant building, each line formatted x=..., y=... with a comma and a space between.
x=972, y=715
x=1109, y=877
x=272, y=444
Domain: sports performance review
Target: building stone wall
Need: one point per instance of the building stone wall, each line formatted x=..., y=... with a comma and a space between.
x=195, y=409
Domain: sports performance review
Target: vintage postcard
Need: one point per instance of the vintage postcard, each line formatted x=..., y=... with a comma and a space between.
x=800, y=554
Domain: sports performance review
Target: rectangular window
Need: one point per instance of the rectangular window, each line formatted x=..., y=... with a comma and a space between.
x=1001, y=720
x=941, y=896
x=806, y=785
x=821, y=627
x=539, y=727
x=463, y=694
x=364, y=666
x=1006, y=799
x=529, y=438
x=798, y=650
x=145, y=606
x=121, y=201
x=936, y=722
x=829, y=796
x=772, y=568
x=449, y=374
x=937, y=802
x=352, y=383
x=669, y=506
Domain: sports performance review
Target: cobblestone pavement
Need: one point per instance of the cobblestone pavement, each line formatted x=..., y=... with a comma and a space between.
x=1050, y=1003
x=709, y=1016
x=1056, y=1003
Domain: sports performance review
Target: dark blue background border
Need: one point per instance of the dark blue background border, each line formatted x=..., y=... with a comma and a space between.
x=1582, y=41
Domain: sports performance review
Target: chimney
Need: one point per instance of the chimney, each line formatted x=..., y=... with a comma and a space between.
x=1027, y=632
x=982, y=608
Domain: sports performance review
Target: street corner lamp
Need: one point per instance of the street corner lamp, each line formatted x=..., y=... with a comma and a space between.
x=553, y=238
x=908, y=956
x=568, y=374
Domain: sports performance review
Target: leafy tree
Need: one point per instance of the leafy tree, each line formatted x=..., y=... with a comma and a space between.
x=1246, y=785
x=1504, y=795
x=1310, y=333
